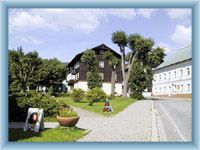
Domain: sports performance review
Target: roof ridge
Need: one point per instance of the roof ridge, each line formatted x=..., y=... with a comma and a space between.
x=180, y=55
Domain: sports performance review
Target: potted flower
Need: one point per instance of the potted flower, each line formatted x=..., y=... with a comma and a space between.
x=67, y=117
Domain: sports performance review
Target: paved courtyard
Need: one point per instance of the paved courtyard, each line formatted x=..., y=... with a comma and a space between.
x=132, y=124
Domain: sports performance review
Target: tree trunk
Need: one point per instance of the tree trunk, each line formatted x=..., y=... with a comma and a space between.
x=22, y=87
x=113, y=83
x=124, y=90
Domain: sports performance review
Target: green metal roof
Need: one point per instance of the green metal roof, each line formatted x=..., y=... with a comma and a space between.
x=179, y=56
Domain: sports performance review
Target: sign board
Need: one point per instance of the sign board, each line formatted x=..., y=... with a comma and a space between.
x=107, y=107
x=34, y=120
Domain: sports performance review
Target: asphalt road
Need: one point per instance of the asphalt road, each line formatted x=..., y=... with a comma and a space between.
x=174, y=120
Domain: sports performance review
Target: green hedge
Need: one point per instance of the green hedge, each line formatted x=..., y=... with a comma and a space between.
x=19, y=104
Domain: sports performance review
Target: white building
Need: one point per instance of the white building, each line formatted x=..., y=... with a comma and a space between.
x=173, y=78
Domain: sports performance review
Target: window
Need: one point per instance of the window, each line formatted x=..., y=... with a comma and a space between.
x=164, y=76
x=188, y=87
x=169, y=75
x=164, y=89
x=75, y=76
x=170, y=89
x=101, y=52
x=78, y=75
x=188, y=71
x=101, y=64
x=101, y=75
x=155, y=77
x=181, y=73
x=174, y=74
x=178, y=87
x=181, y=88
x=155, y=89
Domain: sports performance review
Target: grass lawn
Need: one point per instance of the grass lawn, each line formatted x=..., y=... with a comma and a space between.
x=59, y=134
x=118, y=104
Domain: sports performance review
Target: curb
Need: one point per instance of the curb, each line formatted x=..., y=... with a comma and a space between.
x=166, y=98
x=154, y=127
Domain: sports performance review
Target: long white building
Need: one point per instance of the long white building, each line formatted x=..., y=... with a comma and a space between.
x=173, y=78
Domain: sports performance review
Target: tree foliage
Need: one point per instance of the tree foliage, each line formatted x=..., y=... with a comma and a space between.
x=113, y=62
x=120, y=38
x=93, y=77
x=29, y=70
x=90, y=60
x=139, y=80
x=23, y=67
x=155, y=57
x=141, y=50
x=95, y=95
x=50, y=71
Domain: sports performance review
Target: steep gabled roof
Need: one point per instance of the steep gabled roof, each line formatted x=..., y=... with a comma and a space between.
x=180, y=55
x=102, y=46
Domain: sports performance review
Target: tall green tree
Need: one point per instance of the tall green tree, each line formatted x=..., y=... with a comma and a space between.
x=120, y=38
x=141, y=75
x=113, y=62
x=22, y=67
x=50, y=71
x=141, y=50
x=93, y=77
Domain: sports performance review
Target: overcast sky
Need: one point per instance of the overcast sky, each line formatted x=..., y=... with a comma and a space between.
x=62, y=33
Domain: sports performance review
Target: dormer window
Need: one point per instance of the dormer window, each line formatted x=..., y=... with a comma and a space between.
x=101, y=51
x=101, y=75
x=101, y=64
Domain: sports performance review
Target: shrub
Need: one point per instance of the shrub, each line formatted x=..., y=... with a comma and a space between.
x=50, y=91
x=137, y=95
x=67, y=113
x=95, y=95
x=16, y=113
x=57, y=94
x=77, y=95
x=50, y=106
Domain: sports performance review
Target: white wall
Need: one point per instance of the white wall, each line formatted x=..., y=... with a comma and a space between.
x=166, y=82
x=105, y=86
x=70, y=77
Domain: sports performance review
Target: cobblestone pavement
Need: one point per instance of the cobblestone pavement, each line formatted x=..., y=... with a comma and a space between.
x=132, y=124
x=174, y=120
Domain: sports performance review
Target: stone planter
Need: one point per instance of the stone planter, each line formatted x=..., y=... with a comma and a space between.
x=67, y=121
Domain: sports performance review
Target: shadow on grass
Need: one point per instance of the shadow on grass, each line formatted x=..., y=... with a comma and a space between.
x=16, y=134
x=58, y=134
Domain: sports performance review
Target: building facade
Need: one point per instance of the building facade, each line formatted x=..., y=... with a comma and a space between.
x=77, y=74
x=173, y=78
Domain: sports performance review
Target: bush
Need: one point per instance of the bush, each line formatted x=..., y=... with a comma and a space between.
x=57, y=94
x=136, y=95
x=50, y=106
x=16, y=113
x=77, y=95
x=50, y=91
x=67, y=113
x=95, y=95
